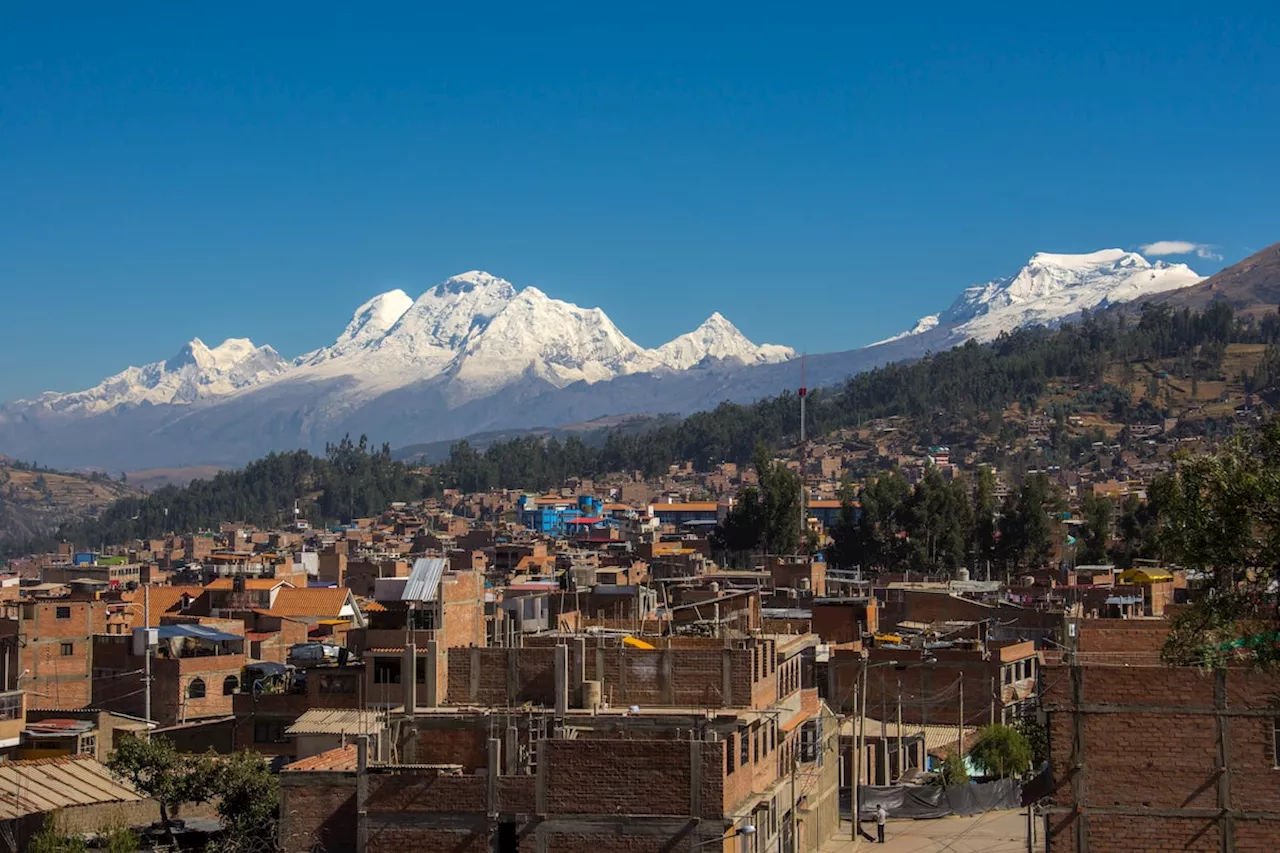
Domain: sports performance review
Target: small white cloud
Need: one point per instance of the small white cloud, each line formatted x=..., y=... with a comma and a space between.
x=1181, y=247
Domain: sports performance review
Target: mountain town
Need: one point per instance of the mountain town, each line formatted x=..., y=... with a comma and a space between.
x=1001, y=583
x=639, y=428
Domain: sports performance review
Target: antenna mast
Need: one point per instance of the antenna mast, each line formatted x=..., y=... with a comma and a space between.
x=804, y=458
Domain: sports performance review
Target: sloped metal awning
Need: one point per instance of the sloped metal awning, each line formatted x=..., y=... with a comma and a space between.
x=424, y=580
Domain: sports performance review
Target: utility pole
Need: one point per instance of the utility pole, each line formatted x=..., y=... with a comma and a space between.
x=960, y=729
x=146, y=649
x=857, y=766
x=862, y=747
x=795, y=830
x=902, y=766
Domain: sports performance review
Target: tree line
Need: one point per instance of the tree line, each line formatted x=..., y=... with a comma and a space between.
x=974, y=381
x=351, y=480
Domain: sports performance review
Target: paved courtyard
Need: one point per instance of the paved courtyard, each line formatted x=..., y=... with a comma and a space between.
x=994, y=832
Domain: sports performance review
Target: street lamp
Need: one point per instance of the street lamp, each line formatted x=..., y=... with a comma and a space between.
x=748, y=829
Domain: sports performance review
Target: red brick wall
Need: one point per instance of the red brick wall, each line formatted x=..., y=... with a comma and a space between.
x=54, y=679
x=319, y=812
x=173, y=677
x=684, y=677
x=462, y=599
x=1158, y=749
x=1109, y=638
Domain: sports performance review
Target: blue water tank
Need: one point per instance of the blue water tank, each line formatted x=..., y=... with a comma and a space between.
x=82, y=560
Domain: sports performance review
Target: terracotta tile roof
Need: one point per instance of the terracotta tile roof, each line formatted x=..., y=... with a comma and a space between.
x=318, y=601
x=164, y=600
x=249, y=583
x=342, y=758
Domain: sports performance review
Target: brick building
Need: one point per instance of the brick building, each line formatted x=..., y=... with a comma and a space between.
x=413, y=624
x=996, y=682
x=1155, y=758
x=700, y=740
x=195, y=670
x=53, y=644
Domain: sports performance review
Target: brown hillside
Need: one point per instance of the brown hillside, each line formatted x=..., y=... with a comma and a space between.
x=34, y=503
x=1252, y=286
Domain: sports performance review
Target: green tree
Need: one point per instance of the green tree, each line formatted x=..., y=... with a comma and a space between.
x=938, y=521
x=1220, y=516
x=1037, y=736
x=155, y=768
x=1095, y=532
x=952, y=772
x=780, y=501
x=1001, y=751
x=765, y=517
x=881, y=540
x=845, y=548
x=984, y=517
x=248, y=796
x=1026, y=524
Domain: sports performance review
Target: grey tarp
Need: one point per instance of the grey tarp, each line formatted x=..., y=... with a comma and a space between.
x=924, y=801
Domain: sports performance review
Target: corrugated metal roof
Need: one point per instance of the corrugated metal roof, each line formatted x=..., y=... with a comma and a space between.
x=47, y=784
x=201, y=632
x=424, y=580
x=331, y=721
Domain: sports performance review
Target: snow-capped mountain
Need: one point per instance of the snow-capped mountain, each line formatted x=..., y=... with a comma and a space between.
x=475, y=353
x=1048, y=290
x=717, y=338
x=473, y=333
x=196, y=372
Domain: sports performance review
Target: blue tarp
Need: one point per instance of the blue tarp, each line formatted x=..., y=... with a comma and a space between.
x=200, y=632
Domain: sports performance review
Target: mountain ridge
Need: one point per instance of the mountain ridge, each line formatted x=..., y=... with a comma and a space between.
x=472, y=354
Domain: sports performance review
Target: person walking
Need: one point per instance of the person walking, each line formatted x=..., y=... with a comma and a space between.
x=881, y=817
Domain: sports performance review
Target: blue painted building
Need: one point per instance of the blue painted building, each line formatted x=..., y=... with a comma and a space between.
x=553, y=516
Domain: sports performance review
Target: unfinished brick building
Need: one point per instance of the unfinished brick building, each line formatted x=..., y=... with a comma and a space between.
x=702, y=739
x=1155, y=758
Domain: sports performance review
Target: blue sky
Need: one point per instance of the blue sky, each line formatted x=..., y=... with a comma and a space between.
x=822, y=176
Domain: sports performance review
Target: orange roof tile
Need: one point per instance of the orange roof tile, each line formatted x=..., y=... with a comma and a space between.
x=317, y=601
x=249, y=583
x=342, y=758
x=163, y=600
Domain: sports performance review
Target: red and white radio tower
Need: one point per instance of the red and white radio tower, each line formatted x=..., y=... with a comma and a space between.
x=804, y=458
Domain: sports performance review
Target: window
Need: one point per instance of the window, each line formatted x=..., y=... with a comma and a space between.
x=11, y=706
x=62, y=613
x=195, y=690
x=68, y=649
x=229, y=685
x=386, y=671
x=744, y=746
x=89, y=745
x=270, y=731
x=755, y=739
x=729, y=764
